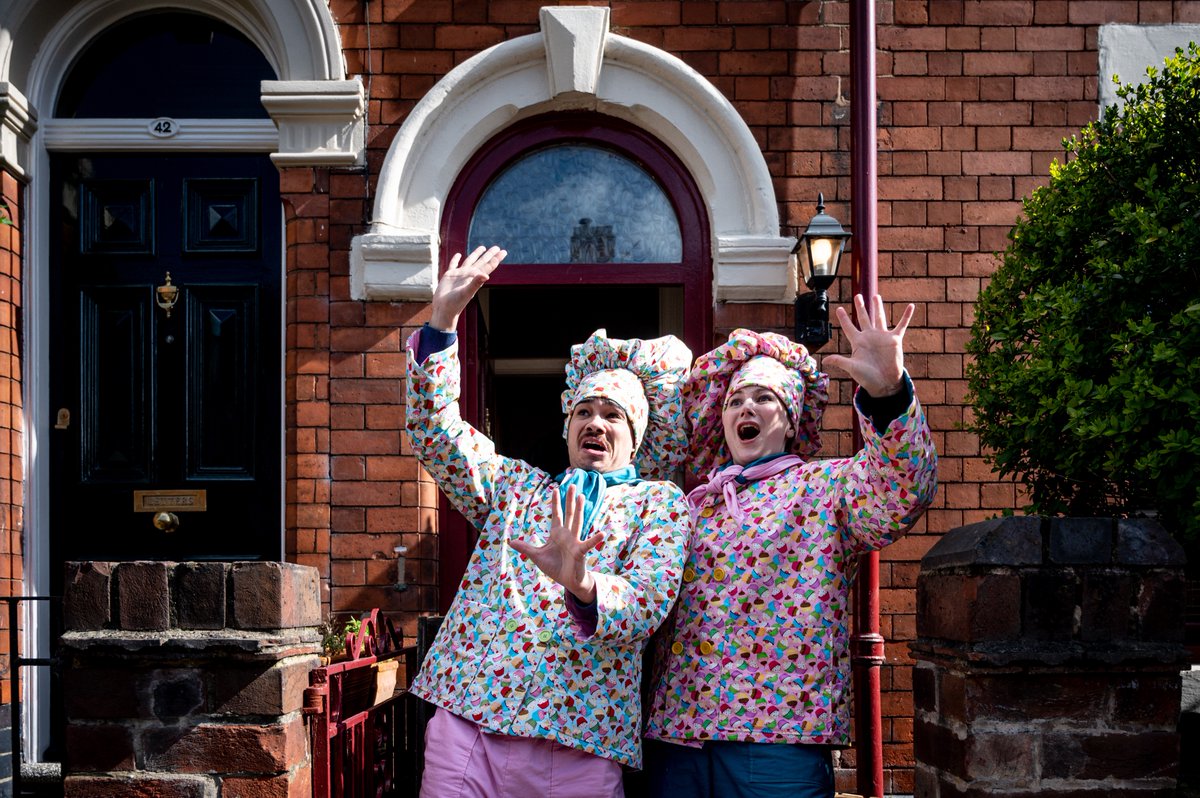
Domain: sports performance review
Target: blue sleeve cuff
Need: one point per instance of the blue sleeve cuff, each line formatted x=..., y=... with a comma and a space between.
x=434, y=340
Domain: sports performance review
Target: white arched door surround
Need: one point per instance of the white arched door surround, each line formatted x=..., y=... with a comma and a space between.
x=574, y=63
x=317, y=115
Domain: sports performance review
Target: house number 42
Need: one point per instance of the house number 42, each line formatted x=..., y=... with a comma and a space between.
x=163, y=128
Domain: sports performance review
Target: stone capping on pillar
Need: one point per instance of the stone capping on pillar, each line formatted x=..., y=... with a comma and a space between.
x=1048, y=658
x=187, y=679
x=251, y=607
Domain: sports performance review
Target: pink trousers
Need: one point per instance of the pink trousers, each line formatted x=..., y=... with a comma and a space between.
x=461, y=761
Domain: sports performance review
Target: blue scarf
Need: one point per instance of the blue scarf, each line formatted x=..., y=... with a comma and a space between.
x=591, y=486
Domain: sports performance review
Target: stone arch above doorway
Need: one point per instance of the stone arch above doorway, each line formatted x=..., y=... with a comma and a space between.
x=574, y=63
x=319, y=113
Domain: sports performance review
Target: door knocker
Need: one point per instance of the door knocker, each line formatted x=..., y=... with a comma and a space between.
x=167, y=295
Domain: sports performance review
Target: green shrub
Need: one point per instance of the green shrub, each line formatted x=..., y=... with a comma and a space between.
x=1086, y=343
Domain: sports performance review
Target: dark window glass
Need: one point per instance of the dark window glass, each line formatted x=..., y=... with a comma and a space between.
x=577, y=203
x=174, y=65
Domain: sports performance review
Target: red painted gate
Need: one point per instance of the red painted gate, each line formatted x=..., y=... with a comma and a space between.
x=366, y=729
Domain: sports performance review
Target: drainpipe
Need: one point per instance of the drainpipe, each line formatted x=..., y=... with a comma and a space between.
x=867, y=643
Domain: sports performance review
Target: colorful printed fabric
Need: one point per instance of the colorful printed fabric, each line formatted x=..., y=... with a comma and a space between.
x=509, y=656
x=753, y=358
x=660, y=364
x=760, y=645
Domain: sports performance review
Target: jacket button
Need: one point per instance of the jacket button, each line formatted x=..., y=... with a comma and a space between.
x=719, y=574
x=707, y=512
x=706, y=647
x=510, y=625
x=544, y=635
x=689, y=575
x=677, y=648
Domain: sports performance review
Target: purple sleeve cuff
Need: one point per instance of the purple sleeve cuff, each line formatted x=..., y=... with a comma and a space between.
x=586, y=616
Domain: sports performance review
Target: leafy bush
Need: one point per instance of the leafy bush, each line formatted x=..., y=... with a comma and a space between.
x=1086, y=342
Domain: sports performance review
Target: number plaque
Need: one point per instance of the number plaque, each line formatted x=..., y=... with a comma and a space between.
x=164, y=127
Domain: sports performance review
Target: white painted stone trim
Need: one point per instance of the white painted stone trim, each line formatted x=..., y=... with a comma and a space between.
x=748, y=267
x=1126, y=51
x=321, y=123
x=17, y=125
x=320, y=114
x=133, y=135
x=393, y=266
x=526, y=76
x=575, y=39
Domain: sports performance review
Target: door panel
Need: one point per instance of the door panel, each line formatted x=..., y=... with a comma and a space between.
x=220, y=399
x=115, y=350
x=165, y=409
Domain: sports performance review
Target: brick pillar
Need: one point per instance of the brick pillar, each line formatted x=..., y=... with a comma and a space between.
x=1048, y=660
x=186, y=680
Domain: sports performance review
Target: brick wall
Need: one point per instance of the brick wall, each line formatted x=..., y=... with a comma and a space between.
x=1049, y=660
x=353, y=489
x=11, y=412
x=974, y=98
x=185, y=680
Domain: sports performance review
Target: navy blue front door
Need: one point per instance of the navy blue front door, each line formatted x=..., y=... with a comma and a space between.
x=165, y=397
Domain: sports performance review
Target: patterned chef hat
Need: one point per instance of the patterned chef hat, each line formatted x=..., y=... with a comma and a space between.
x=644, y=377
x=765, y=360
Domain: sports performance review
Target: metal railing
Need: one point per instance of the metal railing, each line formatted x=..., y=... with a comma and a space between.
x=28, y=778
x=366, y=729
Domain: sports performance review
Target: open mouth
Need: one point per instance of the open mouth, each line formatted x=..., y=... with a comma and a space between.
x=747, y=432
x=592, y=445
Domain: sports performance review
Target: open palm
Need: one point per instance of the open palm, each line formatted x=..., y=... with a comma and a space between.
x=876, y=360
x=563, y=556
x=459, y=284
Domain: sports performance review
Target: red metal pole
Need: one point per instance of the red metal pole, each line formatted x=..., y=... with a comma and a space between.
x=867, y=643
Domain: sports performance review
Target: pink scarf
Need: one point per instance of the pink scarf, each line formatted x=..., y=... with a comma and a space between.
x=726, y=480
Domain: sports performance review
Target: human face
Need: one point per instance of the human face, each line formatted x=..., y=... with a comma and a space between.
x=756, y=424
x=599, y=437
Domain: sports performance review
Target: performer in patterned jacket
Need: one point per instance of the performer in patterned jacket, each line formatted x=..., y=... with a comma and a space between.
x=537, y=665
x=753, y=692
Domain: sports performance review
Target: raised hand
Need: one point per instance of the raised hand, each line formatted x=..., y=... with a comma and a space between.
x=460, y=283
x=562, y=557
x=876, y=360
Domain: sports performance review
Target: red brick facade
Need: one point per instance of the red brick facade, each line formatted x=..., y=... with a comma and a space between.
x=11, y=410
x=975, y=97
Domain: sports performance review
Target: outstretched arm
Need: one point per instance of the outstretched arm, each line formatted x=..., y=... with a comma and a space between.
x=461, y=459
x=888, y=484
x=876, y=360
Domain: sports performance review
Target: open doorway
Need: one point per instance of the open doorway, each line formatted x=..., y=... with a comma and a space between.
x=530, y=331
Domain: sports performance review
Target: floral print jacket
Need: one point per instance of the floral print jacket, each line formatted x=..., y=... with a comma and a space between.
x=759, y=649
x=509, y=655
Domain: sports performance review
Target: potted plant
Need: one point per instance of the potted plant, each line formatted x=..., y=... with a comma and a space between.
x=334, y=634
x=1086, y=343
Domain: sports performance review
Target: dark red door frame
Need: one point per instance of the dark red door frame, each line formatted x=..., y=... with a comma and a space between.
x=693, y=273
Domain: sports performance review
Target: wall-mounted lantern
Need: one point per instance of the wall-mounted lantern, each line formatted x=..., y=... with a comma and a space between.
x=818, y=251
